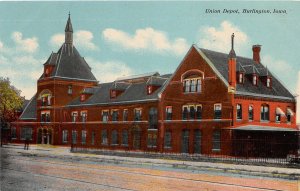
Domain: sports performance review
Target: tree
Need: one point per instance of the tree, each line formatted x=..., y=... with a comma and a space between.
x=10, y=102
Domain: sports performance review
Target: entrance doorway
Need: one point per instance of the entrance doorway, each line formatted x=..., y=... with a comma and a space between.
x=44, y=136
x=136, y=134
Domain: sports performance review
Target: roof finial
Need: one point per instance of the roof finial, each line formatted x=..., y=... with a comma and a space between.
x=232, y=52
x=69, y=14
x=232, y=41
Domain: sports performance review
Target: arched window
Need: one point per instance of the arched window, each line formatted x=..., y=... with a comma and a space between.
x=216, y=140
x=192, y=81
x=45, y=97
x=125, y=137
x=264, y=112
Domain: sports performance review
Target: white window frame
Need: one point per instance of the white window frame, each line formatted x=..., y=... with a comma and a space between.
x=74, y=115
x=107, y=116
x=83, y=114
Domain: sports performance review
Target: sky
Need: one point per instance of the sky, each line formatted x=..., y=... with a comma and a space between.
x=124, y=38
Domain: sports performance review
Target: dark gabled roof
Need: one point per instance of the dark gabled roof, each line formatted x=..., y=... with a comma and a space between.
x=120, y=85
x=69, y=64
x=25, y=103
x=220, y=62
x=135, y=92
x=156, y=81
x=30, y=110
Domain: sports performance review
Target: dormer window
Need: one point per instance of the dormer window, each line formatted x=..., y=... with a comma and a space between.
x=82, y=97
x=241, y=78
x=113, y=94
x=149, y=90
x=70, y=91
x=47, y=72
x=268, y=82
x=254, y=80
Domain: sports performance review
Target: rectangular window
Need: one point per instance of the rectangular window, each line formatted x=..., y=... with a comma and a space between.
x=239, y=113
x=83, y=137
x=93, y=138
x=65, y=136
x=104, y=140
x=83, y=116
x=74, y=137
x=74, y=116
x=114, y=137
x=105, y=116
x=153, y=120
x=264, y=113
x=125, y=137
x=26, y=133
x=185, y=112
x=169, y=113
x=114, y=115
x=186, y=84
x=13, y=132
x=192, y=112
x=199, y=85
x=197, y=141
x=218, y=111
x=125, y=115
x=250, y=114
x=199, y=111
x=151, y=140
x=45, y=116
x=168, y=140
x=137, y=114
x=193, y=85
x=216, y=140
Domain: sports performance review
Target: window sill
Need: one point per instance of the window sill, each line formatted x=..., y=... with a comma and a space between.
x=124, y=145
x=264, y=121
x=168, y=148
x=151, y=147
x=216, y=150
x=114, y=144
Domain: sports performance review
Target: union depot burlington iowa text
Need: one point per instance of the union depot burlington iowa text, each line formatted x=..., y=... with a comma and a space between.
x=214, y=103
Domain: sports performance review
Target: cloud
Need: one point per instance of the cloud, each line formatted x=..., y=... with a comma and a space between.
x=21, y=64
x=146, y=39
x=108, y=71
x=29, y=45
x=219, y=38
x=298, y=98
x=57, y=40
x=276, y=65
x=82, y=39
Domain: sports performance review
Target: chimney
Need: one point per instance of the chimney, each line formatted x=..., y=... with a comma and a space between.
x=256, y=53
x=232, y=64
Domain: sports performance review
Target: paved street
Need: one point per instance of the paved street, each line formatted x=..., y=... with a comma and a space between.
x=26, y=170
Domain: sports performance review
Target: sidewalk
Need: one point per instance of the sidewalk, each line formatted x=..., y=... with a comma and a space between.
x=64, y=153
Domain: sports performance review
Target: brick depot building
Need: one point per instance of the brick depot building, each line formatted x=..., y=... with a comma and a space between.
x=214, y=103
